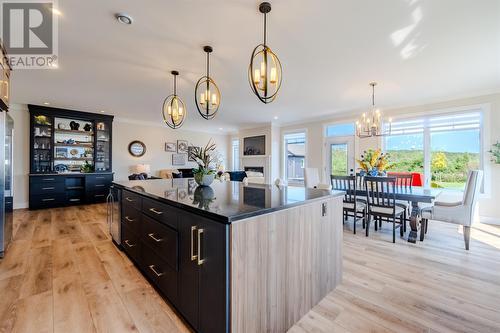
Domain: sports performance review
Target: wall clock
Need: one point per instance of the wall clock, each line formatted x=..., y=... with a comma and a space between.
x=137, y=148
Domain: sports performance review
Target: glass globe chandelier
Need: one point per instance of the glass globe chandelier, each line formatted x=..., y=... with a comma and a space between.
x=265, y=71
x=372, y=125
x=174, y=109
x=207, y=91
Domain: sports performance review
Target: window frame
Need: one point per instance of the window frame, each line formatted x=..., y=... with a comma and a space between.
x=484, y=135
x=284, y=151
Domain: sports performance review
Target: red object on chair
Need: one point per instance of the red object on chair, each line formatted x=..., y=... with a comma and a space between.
x=416, y=177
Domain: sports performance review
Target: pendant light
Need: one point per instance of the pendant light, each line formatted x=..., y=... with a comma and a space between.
x=207, y=92
x=371, y=125
x=264, y=72
x=174, y=109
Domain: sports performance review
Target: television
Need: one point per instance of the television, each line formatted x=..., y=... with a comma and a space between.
x=254, y=145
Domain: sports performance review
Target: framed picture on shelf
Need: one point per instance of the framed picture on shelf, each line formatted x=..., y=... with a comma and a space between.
x=190, y=148
x=182, y=146
x=170, y=147
x=179, y=159
x=61, y=152
x=182, y=193
x=191, y=186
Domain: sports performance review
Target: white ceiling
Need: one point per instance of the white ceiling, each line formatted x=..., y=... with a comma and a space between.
x=418, y=51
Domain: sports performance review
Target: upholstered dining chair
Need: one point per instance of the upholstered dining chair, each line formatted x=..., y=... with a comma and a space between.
x=460, y=212
x=311, y=179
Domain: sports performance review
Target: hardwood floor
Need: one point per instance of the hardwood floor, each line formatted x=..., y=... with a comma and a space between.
x=63, y=274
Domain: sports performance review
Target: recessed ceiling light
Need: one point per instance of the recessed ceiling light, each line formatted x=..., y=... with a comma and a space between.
x=275, y=117
x=102, y=111
x=220, y=128
x=46, y=103
x=56, y=11
x=124, y=18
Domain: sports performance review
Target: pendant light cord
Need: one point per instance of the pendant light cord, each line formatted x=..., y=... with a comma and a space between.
x=175, y=85
x=265, y=28
x=373, y=95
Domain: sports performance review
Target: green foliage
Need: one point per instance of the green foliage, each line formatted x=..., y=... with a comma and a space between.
x=87, y=167
x=339, y=162
x=495, y=153
x=439, y=161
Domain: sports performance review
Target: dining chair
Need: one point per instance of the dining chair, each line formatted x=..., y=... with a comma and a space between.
x=311, y=179
x=352, y=206
x=460, y=212
x=381, y=199
x=404, y=182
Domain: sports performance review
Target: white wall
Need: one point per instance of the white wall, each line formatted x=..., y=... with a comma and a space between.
x=154, y=137
x=488, y=204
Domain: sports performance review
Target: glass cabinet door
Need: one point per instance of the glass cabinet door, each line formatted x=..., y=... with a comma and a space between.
x=103, y=146
x=42, y=141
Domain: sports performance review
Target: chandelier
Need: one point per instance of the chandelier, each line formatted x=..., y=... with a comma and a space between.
x=371, y=125
x=264, y=71
x=174, y=109
x=208, y=92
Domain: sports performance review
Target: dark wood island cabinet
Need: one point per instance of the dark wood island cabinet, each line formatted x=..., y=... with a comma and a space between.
x=227, y=261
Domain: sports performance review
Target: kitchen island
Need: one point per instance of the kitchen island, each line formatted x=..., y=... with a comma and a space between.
x=230, y=257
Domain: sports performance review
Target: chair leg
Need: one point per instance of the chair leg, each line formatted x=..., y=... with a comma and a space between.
x=426, y=226
x=364, y=218
x=401, y=226
x=368, y=225
x=354, y=221
x=404, y=222
x=394, y=229
x=380, y=222
x=467, y=237
x=375, y=219
x=423, y=223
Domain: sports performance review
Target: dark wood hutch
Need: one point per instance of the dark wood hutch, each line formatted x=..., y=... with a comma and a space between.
x=70, y=157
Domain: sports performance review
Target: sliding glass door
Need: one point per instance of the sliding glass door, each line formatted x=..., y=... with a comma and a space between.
x=340, y=156
x=295, y=157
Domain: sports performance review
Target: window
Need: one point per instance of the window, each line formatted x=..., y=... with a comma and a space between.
x=340, y=130
x=339, y=159
x=236, y=154
x=442, y=148
x=295, y=151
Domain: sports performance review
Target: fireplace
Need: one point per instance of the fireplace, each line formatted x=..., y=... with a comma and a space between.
x=255, y=169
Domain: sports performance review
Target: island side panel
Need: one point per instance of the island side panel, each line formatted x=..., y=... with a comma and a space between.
x=283, y=264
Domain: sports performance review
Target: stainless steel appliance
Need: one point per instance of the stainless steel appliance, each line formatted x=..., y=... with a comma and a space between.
x=114, y=214
x=6, y=180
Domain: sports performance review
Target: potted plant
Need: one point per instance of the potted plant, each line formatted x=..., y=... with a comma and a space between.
x=207, y=160
x=374, y=163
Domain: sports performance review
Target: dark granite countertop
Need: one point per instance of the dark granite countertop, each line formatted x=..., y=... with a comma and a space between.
x=225, y=202
x=71, y=173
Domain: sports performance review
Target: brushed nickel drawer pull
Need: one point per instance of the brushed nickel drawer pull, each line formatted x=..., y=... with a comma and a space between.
x=48, y=179
x=129, y=200
x=200, y=261
x=129, y=219
x=152, y=267
x=98, y=195
x=193, y=256
x=152, y=236
x=74, y=200
x=99, y=177
x=157, y=212
x=48, y=188
x=128, y=244
x=49, y=199
x=99, y=185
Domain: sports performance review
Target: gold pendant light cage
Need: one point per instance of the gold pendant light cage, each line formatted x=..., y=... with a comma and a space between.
x=265, y=70
x=207, y=95
x=174, y=110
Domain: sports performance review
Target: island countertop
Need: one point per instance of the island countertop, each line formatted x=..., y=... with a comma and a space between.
x=225, y=202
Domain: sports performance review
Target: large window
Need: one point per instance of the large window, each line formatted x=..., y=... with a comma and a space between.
x=340, y=130
x=295, y=157
x=442, y=148
x=236, y=154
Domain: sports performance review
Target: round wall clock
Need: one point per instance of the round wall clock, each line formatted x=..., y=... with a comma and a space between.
x=137, y=148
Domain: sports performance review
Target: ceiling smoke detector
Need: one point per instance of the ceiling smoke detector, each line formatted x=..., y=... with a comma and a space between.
x=124, y=18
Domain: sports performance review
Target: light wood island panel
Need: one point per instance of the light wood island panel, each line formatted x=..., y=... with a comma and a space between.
x=283, y=264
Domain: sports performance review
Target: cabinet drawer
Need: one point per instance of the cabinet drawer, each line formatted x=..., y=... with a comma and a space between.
x=162, y=239
x=131, y=199
x=159, y=272
x=47, y=188
x=97, y=196
x=46, y=179
x=47, y=200
x=160, y=212
x=131, y=218
x=130, y=243
x=99, y=179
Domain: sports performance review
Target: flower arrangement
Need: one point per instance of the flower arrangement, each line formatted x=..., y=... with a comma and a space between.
x=208, y=160
x=374, y=162
x=495, y=153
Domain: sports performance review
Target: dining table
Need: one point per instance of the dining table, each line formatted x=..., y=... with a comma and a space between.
x=417, y=196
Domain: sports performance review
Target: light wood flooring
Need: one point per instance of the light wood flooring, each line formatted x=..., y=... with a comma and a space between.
x=63, y=274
